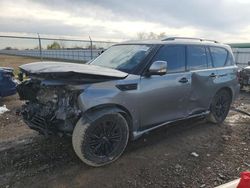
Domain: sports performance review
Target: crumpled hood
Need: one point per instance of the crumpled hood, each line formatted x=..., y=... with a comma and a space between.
x=63, y=69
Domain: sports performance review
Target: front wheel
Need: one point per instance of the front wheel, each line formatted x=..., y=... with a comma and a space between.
x=219, y=107
x=102, y=141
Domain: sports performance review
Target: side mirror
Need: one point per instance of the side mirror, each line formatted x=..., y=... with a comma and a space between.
x=158, y=68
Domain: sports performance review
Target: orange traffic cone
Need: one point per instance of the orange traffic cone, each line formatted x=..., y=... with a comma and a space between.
x=245, y=180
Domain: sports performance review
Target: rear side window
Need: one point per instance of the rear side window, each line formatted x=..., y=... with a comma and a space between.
x=196, y=57
x=1, y=76
x=219, y=56
x=175, y=57
x=209, y=58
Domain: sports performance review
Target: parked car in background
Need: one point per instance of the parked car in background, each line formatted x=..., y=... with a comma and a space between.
x=7, y=82
x=128, y=90
x=244, y=76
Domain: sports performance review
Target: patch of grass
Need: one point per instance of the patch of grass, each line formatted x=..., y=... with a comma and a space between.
x=15, y=61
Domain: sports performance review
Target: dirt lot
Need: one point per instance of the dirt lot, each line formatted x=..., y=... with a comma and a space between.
x=161, y=158
x=15, y=61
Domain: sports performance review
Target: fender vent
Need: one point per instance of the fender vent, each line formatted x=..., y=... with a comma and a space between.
x=127, y=87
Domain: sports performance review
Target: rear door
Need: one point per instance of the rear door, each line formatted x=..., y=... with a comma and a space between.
x=164, y=98
x=203, y=78
x=226, y=69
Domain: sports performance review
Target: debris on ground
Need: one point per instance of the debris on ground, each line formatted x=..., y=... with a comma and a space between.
x=195, y=154
x=221, y=176
x=3, y=109
x=226, y=137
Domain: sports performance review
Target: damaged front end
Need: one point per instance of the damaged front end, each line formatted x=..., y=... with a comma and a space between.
x=52, y=91
x=49, y=109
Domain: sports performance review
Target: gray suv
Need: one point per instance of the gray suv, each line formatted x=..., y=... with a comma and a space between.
x=130, y=89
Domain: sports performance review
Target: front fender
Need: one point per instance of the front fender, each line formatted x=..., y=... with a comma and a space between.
x=107, y=94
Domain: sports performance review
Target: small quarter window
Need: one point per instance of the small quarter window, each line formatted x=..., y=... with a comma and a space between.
x=230, y=60
x=196, y=57
x=174, y=56
x=219, y=56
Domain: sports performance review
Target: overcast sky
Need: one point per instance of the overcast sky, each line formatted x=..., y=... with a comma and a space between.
x=223, y=20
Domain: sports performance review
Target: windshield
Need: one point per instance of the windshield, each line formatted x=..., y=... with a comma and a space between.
x=122, y=57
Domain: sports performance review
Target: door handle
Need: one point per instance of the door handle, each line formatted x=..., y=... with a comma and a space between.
x=212, y=75
x=183, y=80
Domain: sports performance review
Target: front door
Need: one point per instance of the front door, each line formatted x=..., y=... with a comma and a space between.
x=164, y=98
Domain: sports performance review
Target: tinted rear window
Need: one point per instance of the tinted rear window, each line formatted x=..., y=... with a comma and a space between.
x=175, y=57
x=196, y=57
x=219, y=56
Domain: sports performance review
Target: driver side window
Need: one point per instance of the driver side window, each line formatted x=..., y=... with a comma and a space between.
x=174, y=55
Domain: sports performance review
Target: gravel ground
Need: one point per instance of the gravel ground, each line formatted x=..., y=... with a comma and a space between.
x=162, y=158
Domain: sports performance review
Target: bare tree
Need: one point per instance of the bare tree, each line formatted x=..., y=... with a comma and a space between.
x=150, y=35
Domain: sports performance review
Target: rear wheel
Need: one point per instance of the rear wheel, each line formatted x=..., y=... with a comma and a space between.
x=102, y=141
x=219, y=107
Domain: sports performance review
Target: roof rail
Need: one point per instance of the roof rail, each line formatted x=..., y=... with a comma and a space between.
x=189, y=38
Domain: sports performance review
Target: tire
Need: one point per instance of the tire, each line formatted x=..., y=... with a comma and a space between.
x=219, y=107
x=102, y=141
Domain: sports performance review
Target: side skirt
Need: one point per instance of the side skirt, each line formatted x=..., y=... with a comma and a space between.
x=137, y=134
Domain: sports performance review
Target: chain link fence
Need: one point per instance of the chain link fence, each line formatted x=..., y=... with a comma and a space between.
x=74, y=49
x=242, y=56
x=53, y=48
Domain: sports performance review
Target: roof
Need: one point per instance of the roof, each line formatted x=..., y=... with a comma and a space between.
x=178, y=40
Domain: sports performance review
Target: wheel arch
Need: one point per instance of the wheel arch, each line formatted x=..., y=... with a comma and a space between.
x=100, y=110
x=212, y=117
x=228, y=89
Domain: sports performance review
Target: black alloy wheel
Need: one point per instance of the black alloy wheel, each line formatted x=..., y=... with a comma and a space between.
x=102, y=141
x=220, y=106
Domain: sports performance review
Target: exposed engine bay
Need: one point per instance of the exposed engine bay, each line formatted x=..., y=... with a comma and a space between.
x=49, y=109
x=52, y=91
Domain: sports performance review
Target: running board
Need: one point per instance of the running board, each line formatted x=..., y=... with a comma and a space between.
x=137, y=134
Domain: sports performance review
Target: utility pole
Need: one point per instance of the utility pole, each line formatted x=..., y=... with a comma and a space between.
x=91, y=48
